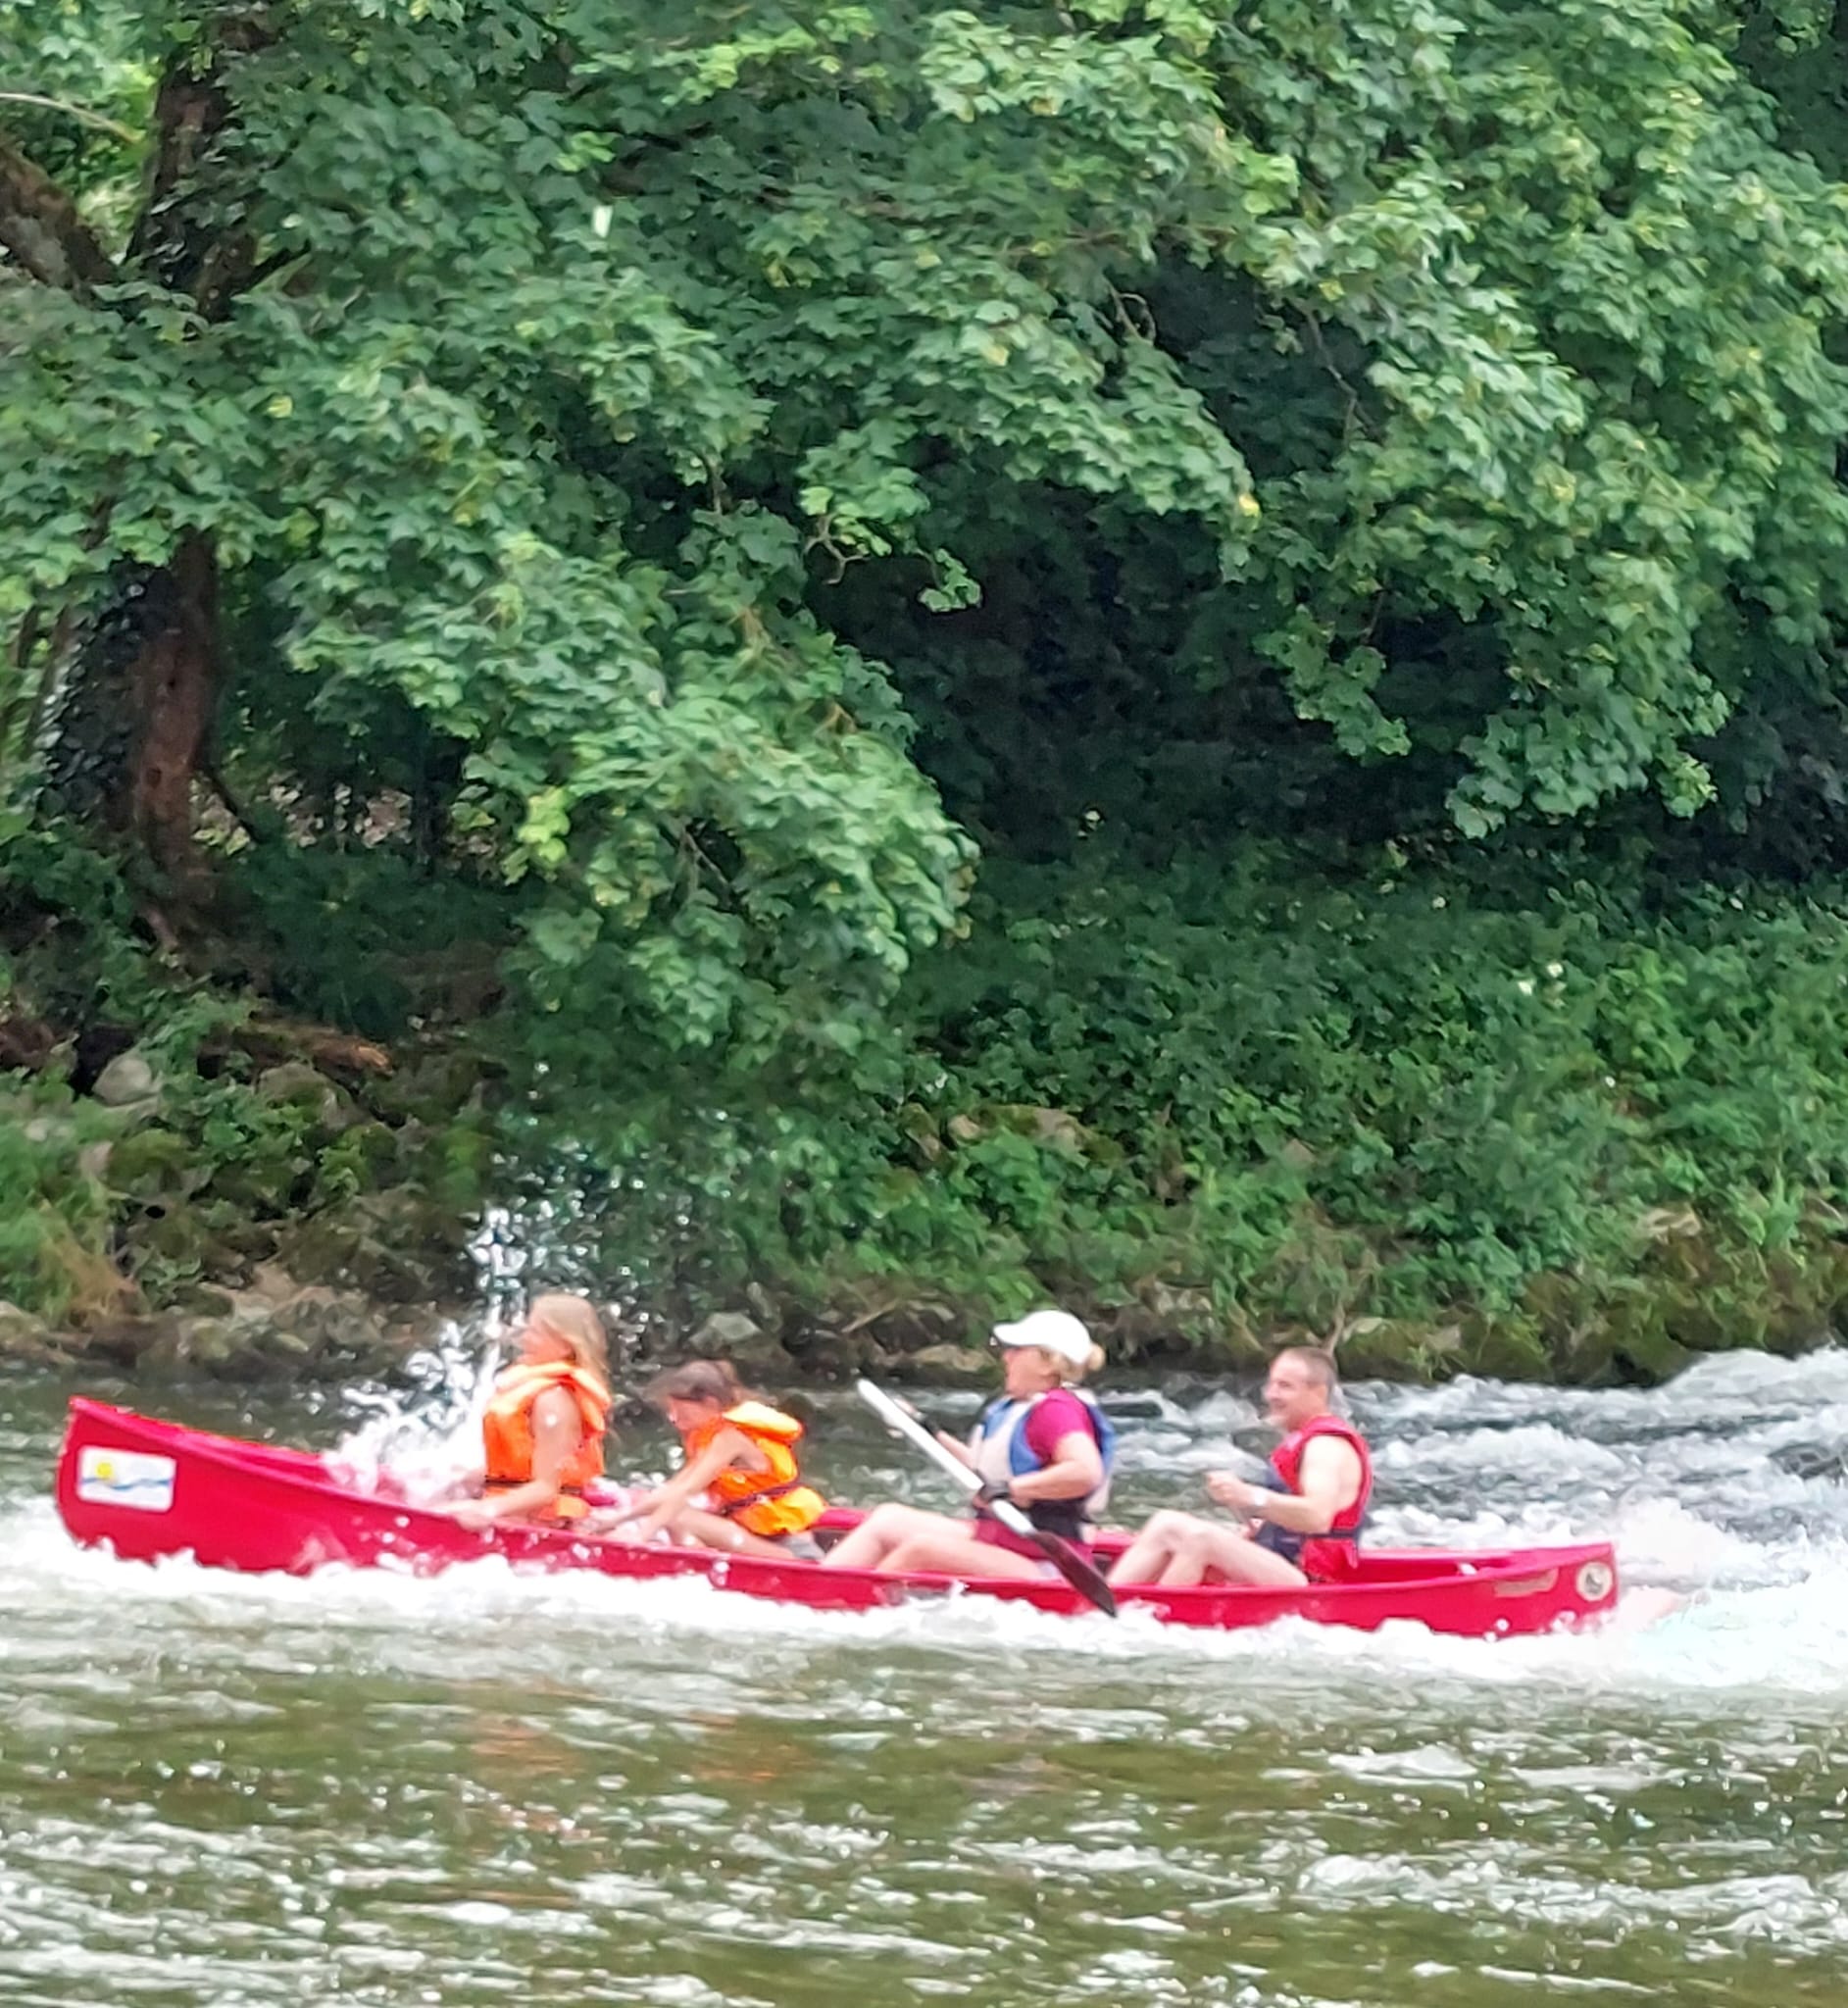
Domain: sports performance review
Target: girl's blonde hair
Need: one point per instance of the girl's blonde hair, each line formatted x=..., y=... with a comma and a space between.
x=574, y=1320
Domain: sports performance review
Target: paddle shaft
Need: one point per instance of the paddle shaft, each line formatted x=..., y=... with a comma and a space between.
x=1066, y=1556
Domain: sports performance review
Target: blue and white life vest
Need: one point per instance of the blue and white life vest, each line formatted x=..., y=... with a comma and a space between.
x=1003, y=1453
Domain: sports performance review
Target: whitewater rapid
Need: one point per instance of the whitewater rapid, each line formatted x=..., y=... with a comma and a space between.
x=371, y=1790
x=1724, y=1487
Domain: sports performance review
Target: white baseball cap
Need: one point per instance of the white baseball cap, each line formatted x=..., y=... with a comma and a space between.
x=1057, y=1331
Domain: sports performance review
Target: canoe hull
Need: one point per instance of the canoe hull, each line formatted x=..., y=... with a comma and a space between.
x=149, y=1490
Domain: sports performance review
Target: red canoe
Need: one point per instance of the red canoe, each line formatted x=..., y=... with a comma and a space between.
x=148, y=1489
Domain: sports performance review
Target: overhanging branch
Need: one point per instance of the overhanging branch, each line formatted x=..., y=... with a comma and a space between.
x=82, y=113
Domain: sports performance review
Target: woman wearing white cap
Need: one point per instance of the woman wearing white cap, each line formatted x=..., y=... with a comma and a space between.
x=1040, y=1443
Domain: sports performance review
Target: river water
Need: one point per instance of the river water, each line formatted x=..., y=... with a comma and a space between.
x=219, y=1791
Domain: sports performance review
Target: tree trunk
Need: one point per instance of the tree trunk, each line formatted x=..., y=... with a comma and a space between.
x=133, y=722
x=137, y=683
x=173, y=684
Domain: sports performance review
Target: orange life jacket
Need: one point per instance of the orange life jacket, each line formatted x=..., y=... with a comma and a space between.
x=769, y=1502
x=507, y=1432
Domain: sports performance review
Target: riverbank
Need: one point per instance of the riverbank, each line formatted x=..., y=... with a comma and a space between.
x=1582, y=1134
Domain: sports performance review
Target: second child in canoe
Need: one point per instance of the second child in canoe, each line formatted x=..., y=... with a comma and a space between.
x=739, y=1489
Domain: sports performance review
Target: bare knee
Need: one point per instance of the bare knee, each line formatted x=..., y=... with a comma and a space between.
x=943, y=1551
x=889, y=1528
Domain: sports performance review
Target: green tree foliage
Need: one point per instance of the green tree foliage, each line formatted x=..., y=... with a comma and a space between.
x=506, y=368
x=647, y=496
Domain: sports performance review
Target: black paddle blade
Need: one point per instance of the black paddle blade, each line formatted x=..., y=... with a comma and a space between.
x=1078, y=1568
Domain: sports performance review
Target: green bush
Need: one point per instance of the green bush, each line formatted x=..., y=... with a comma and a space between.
x=1418, y=1110
x=56, y=1214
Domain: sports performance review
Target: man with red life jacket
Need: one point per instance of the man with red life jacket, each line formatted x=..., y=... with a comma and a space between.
x=1302, y=1526
x=739, y=1454
x=542, y=1435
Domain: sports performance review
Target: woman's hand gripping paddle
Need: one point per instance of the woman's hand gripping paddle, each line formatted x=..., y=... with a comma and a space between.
x=1070, y=1561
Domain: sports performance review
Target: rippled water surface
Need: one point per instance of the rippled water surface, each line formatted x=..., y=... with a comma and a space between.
x=483, y=1788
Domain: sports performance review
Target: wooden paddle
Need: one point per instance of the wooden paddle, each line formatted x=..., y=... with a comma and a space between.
x=1070, y=1561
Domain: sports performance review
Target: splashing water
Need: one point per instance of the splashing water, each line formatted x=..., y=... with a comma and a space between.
x=427, y=1431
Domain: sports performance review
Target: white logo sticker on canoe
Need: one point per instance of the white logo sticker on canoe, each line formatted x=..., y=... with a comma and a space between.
x=124, y=1478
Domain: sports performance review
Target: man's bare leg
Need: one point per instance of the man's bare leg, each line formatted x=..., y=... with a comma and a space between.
x=1179, y=1551
x=1232, y=1555
x=1144, y=1559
